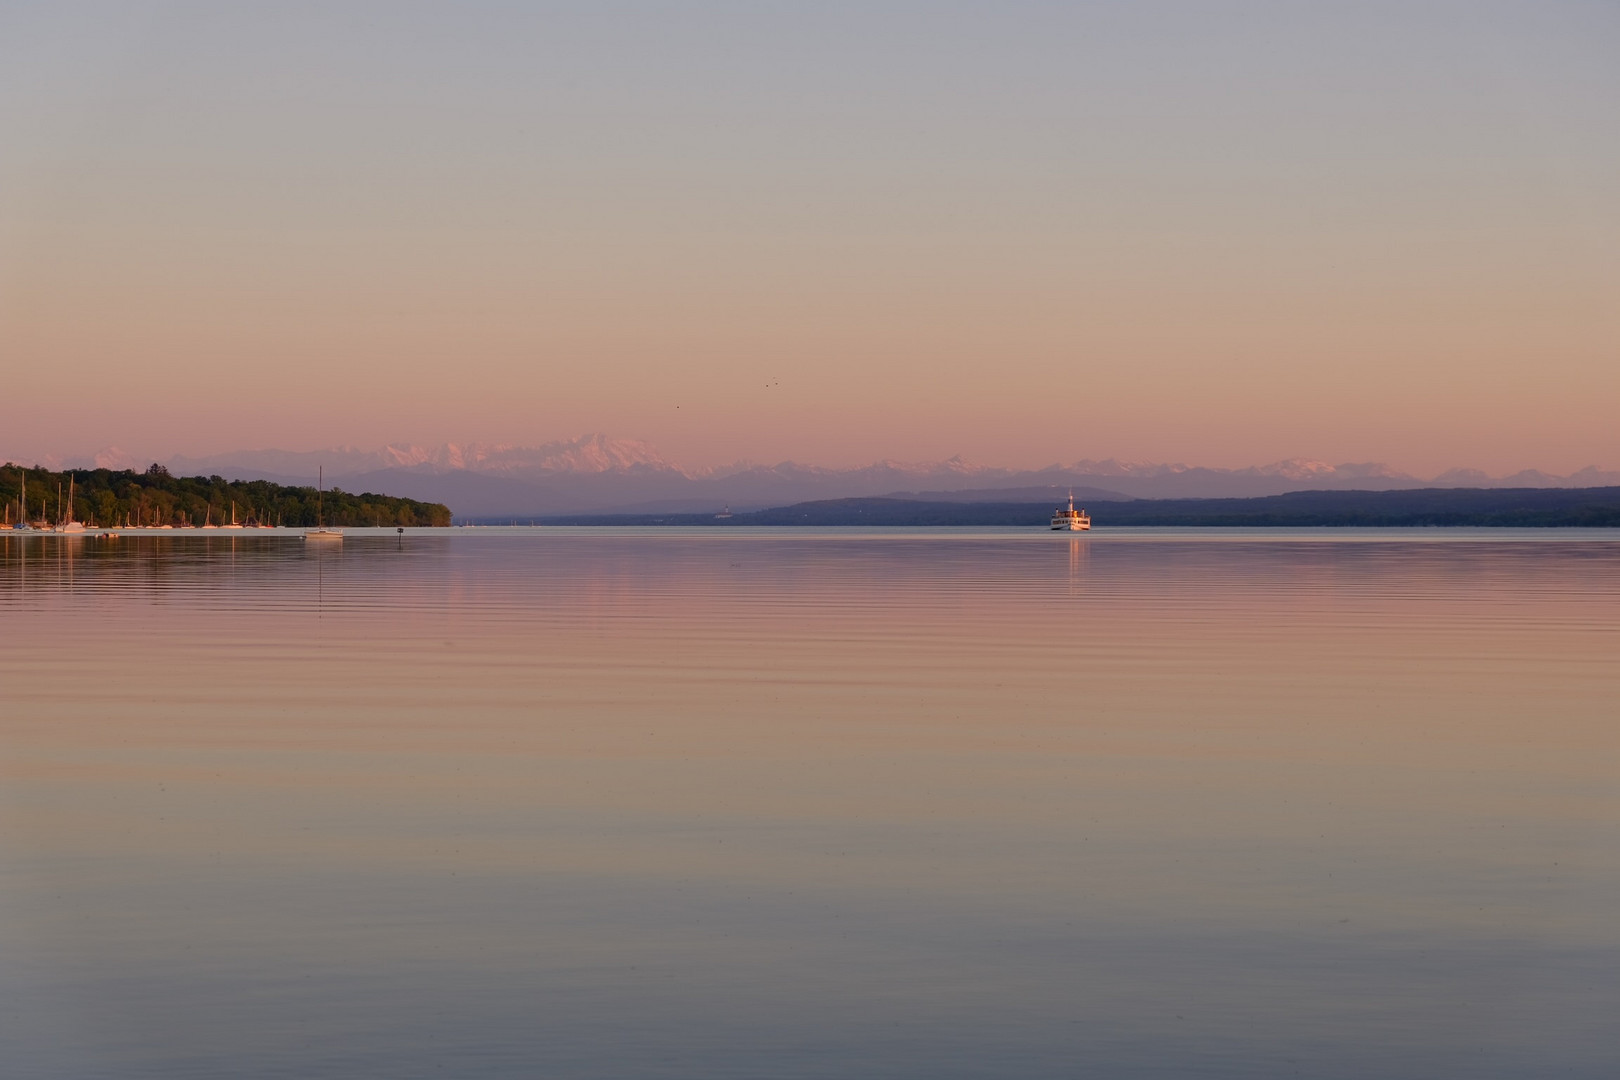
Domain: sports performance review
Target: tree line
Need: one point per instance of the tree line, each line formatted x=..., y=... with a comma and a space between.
x=107, y=498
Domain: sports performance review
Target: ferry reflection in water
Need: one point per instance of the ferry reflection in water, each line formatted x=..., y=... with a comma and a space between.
x=638, y=804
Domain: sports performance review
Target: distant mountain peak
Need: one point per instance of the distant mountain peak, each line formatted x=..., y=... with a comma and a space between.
x=112, y=457
x=593, y=453
x=1297, y=469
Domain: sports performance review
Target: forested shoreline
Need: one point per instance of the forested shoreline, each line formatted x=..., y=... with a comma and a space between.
x=107, y=498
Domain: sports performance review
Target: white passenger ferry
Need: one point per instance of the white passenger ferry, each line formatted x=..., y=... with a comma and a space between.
x=1071, y=520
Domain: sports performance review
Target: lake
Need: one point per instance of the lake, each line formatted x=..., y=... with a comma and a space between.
x=745, y=803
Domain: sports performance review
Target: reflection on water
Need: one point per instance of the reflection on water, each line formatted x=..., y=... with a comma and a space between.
x=657, y=804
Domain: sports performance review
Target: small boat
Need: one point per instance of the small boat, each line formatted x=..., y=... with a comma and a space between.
x=320, y=531
x=234, y=524
x=39, y=524
x=1070, y=520
x=724, y=514
x=69, y=524
x=22, y=504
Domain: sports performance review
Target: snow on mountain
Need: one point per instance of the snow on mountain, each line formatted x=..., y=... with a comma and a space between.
x=1298, y=469
x=1115, y=467
x=586, y=454
x=114, y=458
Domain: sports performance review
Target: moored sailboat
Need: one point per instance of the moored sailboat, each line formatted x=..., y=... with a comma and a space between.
x=68, y=523
x=320, y=531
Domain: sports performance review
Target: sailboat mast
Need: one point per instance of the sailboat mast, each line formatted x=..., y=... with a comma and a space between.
x=320, y=496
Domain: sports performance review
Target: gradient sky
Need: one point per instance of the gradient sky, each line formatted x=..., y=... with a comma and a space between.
x=1221, y=233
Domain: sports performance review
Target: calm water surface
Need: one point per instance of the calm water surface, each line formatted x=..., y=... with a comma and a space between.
x=730, y=803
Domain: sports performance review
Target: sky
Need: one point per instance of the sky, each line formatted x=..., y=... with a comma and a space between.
x=1025, y=233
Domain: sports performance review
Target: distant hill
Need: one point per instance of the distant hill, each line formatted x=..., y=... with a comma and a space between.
x=1515, y=507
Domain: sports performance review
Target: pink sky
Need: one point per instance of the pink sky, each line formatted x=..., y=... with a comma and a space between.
x=1016, y=234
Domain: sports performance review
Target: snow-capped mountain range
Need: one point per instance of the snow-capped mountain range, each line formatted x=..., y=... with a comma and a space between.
x=595, y=473
x=587, y=454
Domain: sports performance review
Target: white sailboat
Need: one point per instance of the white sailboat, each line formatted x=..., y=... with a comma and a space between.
x=68, y=524
x=320, y=531
x=22, y=503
